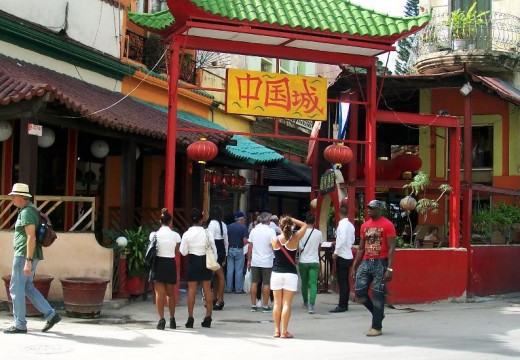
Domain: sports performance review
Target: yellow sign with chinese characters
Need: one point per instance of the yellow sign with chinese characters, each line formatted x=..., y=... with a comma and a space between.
x=276, y=95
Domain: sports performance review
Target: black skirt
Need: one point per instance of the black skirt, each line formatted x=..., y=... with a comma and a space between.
x=221, y=251
x=197, y=270
x=165, y=270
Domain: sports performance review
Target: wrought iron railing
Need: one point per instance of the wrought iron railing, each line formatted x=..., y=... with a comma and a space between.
x=493, y=32
x=55, y=207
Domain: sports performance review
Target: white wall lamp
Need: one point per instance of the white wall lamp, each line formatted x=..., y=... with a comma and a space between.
x=466, y=89
x=47, y=138
x=99, y=148
x=5, y=130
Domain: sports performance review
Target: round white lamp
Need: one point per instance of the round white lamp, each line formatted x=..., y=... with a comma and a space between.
x=99, y=148
x=122, y=241
x=5, y=130
x=47, y=138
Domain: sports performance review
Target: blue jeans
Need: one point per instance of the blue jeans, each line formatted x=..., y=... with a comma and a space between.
x=22, y=286
x=235, y=266
x=372, y=271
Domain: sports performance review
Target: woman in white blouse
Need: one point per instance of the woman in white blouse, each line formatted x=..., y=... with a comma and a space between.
x=218, y=229
x=194, y=244
x=165, y=269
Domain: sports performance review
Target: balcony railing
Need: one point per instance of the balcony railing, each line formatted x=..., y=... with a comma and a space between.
x=498, y=32
x=55, y=208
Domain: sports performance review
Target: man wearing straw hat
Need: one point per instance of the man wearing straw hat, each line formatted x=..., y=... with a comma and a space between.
x=27, y=254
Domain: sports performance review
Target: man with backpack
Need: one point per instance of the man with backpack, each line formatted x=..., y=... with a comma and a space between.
x=27, y=254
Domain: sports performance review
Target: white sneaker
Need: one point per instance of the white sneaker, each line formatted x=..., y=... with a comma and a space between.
x=312, y=309
x=258, y=303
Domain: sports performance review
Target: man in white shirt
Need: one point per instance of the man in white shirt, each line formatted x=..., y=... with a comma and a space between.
x=260, y=260
x=345, y=237
x=274, y=224
x=309, y=264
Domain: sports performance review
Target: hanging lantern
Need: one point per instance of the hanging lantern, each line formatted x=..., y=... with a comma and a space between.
x=5, y=130
x=202, y=151
x=241, y=180
x=47, y=138
x=314, y=203
x=408, y=162
x=215, y=178
x=99, y=148
x=338, y=154
x=207, y=176
x=408, y=203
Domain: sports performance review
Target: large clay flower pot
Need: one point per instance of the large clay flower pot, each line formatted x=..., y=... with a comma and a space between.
x=41, y=282
x=83, y=296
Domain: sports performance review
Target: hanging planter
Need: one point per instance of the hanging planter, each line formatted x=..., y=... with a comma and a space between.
x=408, y=204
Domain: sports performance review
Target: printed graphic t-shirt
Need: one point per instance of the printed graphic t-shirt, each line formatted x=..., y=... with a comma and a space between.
x=376, y=233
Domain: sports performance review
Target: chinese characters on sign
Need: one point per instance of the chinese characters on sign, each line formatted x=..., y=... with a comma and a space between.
x=327, y=182
x=276, y=95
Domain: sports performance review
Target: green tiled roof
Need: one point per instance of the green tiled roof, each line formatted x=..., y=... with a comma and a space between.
x=159, y=20
x=245, y=150
x=336, y=16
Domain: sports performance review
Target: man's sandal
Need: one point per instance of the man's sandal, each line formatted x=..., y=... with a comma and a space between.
x=286, y=335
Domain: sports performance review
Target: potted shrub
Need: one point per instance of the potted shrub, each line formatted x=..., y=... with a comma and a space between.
x=463, y=25
x=136, y=268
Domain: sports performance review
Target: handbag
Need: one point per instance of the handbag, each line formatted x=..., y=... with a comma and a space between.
x=211, y=261
x=149, y=257
x=151, y=251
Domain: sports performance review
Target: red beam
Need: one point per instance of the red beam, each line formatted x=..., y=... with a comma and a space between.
x=277, y=136
x=394, y=117
x=240, y=47
x=288, y=35
x=494, y=190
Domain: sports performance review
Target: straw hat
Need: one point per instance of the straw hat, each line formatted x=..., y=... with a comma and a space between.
x=20, y=189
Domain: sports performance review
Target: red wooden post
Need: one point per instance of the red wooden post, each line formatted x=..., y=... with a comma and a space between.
x=370, y=155
x=122, y=293
x=454, y=214
x=352, y=166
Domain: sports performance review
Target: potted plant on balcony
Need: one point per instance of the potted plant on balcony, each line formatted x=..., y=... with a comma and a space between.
x=464, y=25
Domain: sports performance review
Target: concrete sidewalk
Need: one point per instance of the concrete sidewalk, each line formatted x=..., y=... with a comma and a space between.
x=484, y=329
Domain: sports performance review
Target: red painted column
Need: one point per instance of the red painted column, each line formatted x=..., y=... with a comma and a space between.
x=370, y=155
x=467, y=193
x=454, y=214
x=352, y=166
x=171, y=136
x=171, y=142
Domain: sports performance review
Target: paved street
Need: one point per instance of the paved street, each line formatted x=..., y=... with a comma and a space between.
x=485, y=329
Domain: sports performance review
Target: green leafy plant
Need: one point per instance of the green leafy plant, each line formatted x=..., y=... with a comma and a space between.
x=400, y=243
x=418, y=186
x=501, y=218
x=135, y=250
x=463, y=25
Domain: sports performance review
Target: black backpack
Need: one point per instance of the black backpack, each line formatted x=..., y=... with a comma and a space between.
x=45, y=234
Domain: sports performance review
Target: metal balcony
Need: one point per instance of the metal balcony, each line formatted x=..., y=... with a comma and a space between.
x=492, y=46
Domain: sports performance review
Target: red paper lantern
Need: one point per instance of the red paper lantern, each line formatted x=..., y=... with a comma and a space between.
x=215, y=178
x=338, y=154
x=202, y=151
x=408, y=162
x=242, y=181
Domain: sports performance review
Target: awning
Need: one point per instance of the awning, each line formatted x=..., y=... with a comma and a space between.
x=289, y=171
x=20, y=81
x=502, y=88
x=245, y=150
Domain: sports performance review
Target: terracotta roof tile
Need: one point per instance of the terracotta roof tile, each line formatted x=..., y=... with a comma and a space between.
x=22, y=81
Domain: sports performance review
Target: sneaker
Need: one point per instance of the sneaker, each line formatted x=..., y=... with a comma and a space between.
x=338, y=309
x=305, y=305
x=267, y=309
x=53, y=321
x=312, y=309
x=374, y=332
x=14, y=330
x=254, y=308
